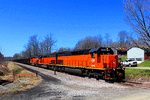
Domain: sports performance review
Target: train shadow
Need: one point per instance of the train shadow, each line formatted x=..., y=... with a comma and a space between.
x=81, y=75
x=5, y=82
x=129, y=82
x=45, y=77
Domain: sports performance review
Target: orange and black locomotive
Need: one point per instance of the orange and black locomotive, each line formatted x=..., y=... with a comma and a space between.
x=97, y=62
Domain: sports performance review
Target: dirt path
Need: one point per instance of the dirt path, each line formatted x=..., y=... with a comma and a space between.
x=138, y=96
x=139, y=68
x=63, y=86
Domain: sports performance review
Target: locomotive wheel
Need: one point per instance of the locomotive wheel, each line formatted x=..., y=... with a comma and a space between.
x=48, y=67
x=52, y=67
x=89, y=75
x=97, y=76
x=86, y=73
x=104, y=77
x=36, y=65
x=58, y=69
x=63, y=69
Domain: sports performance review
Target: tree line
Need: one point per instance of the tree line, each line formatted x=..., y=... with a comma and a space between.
x=123, y=40
x=35, y=48
x=1, y=57
x=137, y=16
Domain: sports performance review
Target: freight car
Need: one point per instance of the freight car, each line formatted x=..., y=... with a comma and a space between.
x=25, y=61
x=97, y=62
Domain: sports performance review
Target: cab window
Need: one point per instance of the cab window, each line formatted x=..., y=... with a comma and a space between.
x=93, y=55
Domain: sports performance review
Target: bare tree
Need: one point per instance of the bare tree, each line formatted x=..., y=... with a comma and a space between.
x=28, y=53
x=78, y=45
x=122, y=38
x=49, y=43
x=68, y=49
x=111, y=43
x=32, y=47
x=64, y=49
x=86, y=43
x=1, y=57
x=98, y=41
x=25, y=54
x=138, y=16
x=61, y=49
x=107, y=40
x=41, y=48
x=16, y=56
x=34, y=43
x=89, y=42
x=115, y=44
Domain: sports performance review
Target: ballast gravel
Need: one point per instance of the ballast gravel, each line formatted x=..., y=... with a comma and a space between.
x=78, y=81
x=63, y=86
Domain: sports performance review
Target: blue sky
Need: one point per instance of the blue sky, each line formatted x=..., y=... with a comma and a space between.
x=68, y=20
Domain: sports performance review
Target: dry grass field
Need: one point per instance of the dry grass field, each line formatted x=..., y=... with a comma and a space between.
x=15, y=78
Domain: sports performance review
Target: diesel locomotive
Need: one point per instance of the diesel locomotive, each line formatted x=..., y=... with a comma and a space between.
x=98, y=62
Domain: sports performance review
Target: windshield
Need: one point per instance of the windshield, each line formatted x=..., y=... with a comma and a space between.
x=128, y=60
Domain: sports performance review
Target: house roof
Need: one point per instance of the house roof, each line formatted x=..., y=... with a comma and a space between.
x=121, y=49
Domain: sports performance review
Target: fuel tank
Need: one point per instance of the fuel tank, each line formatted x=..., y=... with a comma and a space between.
x=73, y=71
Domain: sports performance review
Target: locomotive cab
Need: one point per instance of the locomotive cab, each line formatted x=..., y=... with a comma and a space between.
x=104, y=58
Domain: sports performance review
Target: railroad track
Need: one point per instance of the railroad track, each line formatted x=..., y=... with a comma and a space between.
x=125, y=83
x=134, y=84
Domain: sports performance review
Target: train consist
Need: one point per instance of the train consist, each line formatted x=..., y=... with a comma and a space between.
x=97, y=62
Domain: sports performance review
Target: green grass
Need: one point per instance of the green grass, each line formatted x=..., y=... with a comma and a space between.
x=12, y=88
x=137, y=72
x=123, y=58
x=18, y=70
x=144, y=64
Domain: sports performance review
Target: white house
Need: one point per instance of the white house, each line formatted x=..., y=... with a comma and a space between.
x=136, y=54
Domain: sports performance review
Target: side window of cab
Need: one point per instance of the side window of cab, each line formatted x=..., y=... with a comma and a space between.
x=93, y=55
